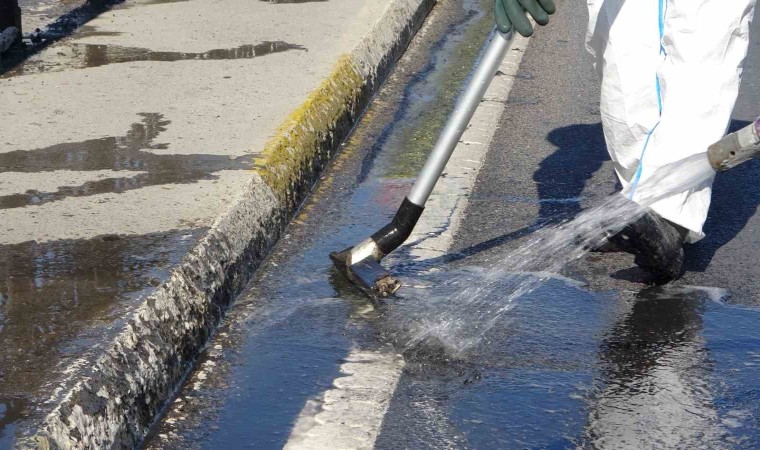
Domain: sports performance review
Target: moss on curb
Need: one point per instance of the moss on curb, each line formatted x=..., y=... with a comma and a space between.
x=292, y=151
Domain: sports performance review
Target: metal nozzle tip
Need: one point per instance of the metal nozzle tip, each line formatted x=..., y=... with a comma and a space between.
x=367, y=274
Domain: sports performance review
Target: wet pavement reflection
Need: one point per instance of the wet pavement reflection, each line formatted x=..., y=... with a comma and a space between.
x=657, y=375
x=135, y=151
x=80, y=56
x=663, y=368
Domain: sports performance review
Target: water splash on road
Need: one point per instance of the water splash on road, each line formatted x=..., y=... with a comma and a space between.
x=456, y=313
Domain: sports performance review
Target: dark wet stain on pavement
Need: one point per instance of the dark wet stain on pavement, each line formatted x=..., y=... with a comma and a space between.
x=90, y=31
x=685, y=360
x=666, y=367
x=60, y=300
x=80, y=56
x=129, y=152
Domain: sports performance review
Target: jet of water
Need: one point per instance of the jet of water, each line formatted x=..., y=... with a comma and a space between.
x=457, y=316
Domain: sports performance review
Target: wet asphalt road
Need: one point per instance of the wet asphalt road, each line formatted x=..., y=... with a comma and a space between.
x=604, y=363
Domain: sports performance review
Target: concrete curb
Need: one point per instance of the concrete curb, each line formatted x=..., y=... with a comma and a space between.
x=114, y=403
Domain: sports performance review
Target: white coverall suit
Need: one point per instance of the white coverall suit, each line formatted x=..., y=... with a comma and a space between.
x=670, y=73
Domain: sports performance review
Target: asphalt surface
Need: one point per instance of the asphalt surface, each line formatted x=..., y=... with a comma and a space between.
x=597, y=359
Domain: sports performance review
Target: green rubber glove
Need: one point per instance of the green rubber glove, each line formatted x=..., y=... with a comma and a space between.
x=512, y=13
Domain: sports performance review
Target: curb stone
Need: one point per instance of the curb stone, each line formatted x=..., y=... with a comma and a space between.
x=116, y=400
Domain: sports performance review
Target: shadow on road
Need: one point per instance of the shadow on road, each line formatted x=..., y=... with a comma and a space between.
x=562, y=176
x=560, y=180
x=734, y=202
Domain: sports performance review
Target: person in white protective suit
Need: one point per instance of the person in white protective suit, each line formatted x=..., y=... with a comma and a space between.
x=670, y=73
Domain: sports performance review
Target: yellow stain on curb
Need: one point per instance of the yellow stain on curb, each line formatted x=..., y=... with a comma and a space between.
x=290, y=154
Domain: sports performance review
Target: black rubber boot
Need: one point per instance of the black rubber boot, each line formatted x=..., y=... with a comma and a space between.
x=657, y=245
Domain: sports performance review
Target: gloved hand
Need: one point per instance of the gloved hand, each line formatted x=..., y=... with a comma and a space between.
x=512, y=12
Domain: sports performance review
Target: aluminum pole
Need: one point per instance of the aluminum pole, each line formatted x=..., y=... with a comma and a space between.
x=460, y=118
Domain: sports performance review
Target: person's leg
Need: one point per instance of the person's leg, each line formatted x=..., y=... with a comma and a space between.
x=623, y=37
x=656, y=58
x=704, y=44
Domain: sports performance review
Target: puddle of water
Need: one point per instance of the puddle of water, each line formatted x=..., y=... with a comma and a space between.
x=278, y=382
x=80, y=56
x=671, y=367
x=90, y=31
x=131, y=152
x=298, y=331
x=522, y=386
x=684, y=361
x=61, y=300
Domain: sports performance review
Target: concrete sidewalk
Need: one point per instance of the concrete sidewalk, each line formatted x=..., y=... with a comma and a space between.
x=147, y=164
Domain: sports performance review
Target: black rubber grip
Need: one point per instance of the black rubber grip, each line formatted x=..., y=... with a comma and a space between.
x=391, y=236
